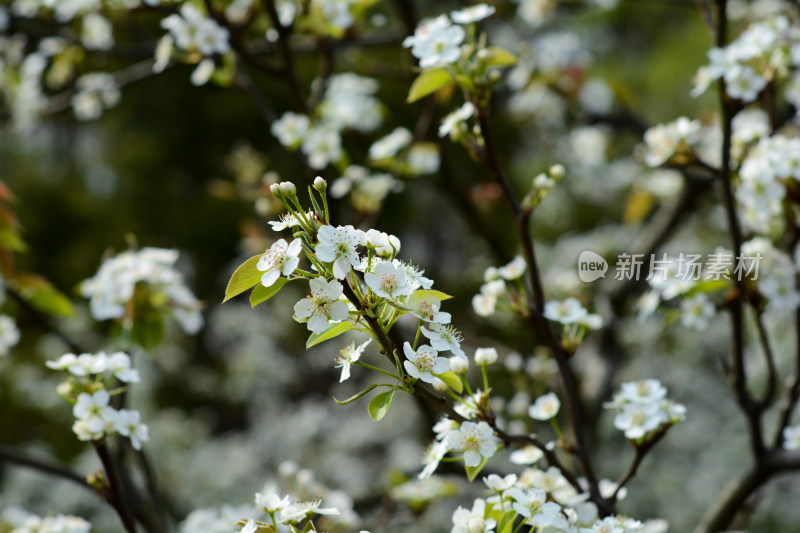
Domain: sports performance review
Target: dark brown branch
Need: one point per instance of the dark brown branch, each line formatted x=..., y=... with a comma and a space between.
x=736, y=494
x=640, y=453
x=572, y=397
x=46, y=466
x=117, y=496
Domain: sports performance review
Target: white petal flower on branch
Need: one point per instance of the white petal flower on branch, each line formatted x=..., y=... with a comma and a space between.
x=424, y=362
x=349, y=355
x=338, y=246
x=322, y=306
x=280, y=259
x=475, y=440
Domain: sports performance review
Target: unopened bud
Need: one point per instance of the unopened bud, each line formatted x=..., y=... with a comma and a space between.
x=459, y=365
x=440, y=385
x=320, y=184
x=557, y=171
x=288, y=188
x=485, y=356
x=275, y=189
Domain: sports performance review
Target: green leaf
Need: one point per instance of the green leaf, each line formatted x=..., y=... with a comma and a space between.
x=261, y=293
x=357, y=396
x=499, y=57
x=710, y=285
x=11, y=240
x=41, y=294
x=436, y=294
x=506, y=523
x=379, y=405
x=245, y=277
x=334, y=331
x=452, y=380
x=473, y=471
x=427, y=82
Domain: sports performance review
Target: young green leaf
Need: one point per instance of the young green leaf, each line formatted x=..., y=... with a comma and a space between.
x=506, y=523
x=436, y=294
x=245, y=277
x=473, y=471
x=261, y=293
x=452, y=380
x=427, y=82
x=379, y=405
x=334, y=331
x=499, y=57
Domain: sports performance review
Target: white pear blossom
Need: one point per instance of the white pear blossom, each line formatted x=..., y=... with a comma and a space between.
x=436, y=42
x=475, y=440
x=568, y=311
x=665, y=141
x=388, y=280
x=281, y=258
x=349, y=355
x=390, y=145
x=513, y=270
x=499, y=483
x=296, y=511
x=473, y=521
x=270, y=502
x=545, y=407
x=426, y=307
x=456, y=120
x=291, y=129
x=322, y=306
x=527, y=502
x=424, y=362
x=472, y=14
x=96, y=92
x=338, y=246
x=697, y=311
x=9, y=334
x=119, y=364
x=526, y=455
x=432, y=457
x=322, y=145
x=93, y=415
x=128, y=423
x=444, y=338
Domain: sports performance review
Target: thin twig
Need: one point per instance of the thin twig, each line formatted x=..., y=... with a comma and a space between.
x=569, y=383
x=46, y=466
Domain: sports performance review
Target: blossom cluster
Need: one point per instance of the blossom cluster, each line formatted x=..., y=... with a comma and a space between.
x=305, y=498
x=763, y=53
x=193, y=32
x=643, y=409
x=437, y=42
x=153, y=269
x=90, y=377
x=546, y=501
x=22, y=521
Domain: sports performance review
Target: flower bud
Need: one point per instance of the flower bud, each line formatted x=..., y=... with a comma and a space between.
x=557, y=171
x=485, y=356
x=64, y=389
x=459, y=365
x=275, y=189
x=288, y=188
x=440, y=385
x=320, y=184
